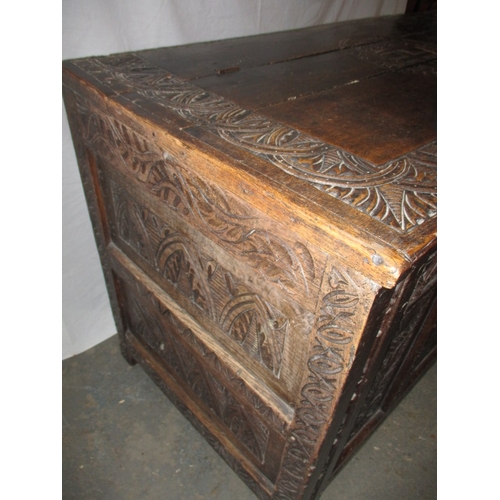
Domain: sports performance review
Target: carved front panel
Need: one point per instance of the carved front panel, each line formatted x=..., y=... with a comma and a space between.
x=229, y=266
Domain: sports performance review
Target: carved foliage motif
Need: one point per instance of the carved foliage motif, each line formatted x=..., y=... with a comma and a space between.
x=332, y=354
x=288, y=265
x=167, y=251
x=401, y=194
x=235, y=225
x=257, y=326
x=248, y=429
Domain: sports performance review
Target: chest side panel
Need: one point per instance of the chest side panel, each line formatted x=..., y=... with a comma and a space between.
x=237, y=272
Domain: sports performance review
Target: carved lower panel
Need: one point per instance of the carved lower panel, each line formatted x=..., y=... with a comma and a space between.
x=252, y=322
x=156, y=306
x=251, y=432
x=225, y=395
x=261, y=486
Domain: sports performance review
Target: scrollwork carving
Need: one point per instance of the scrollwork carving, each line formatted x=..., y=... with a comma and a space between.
x=335, y=328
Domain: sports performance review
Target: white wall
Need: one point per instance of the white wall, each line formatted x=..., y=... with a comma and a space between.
x=96, y=27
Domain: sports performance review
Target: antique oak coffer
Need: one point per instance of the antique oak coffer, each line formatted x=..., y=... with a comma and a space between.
x=265, y=213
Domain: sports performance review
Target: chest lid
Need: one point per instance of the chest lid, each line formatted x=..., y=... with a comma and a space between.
x=335, y=122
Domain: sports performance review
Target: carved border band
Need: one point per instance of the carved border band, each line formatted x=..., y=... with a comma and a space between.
x=339, y=323
x=402, y=194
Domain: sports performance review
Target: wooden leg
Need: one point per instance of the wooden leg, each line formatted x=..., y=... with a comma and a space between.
x=126, y=352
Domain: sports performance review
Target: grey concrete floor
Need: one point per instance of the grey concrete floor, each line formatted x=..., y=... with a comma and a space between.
x=124, y=440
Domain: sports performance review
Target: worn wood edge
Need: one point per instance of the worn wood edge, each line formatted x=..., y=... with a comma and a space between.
x=89, y=177
x=285, y=412
x=294, y=192
x=309, y=222
x=326, y=230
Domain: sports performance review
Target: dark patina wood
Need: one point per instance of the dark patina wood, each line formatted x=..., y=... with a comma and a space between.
x=265, y=213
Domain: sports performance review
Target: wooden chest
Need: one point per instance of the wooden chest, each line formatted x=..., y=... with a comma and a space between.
x=265, y=212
